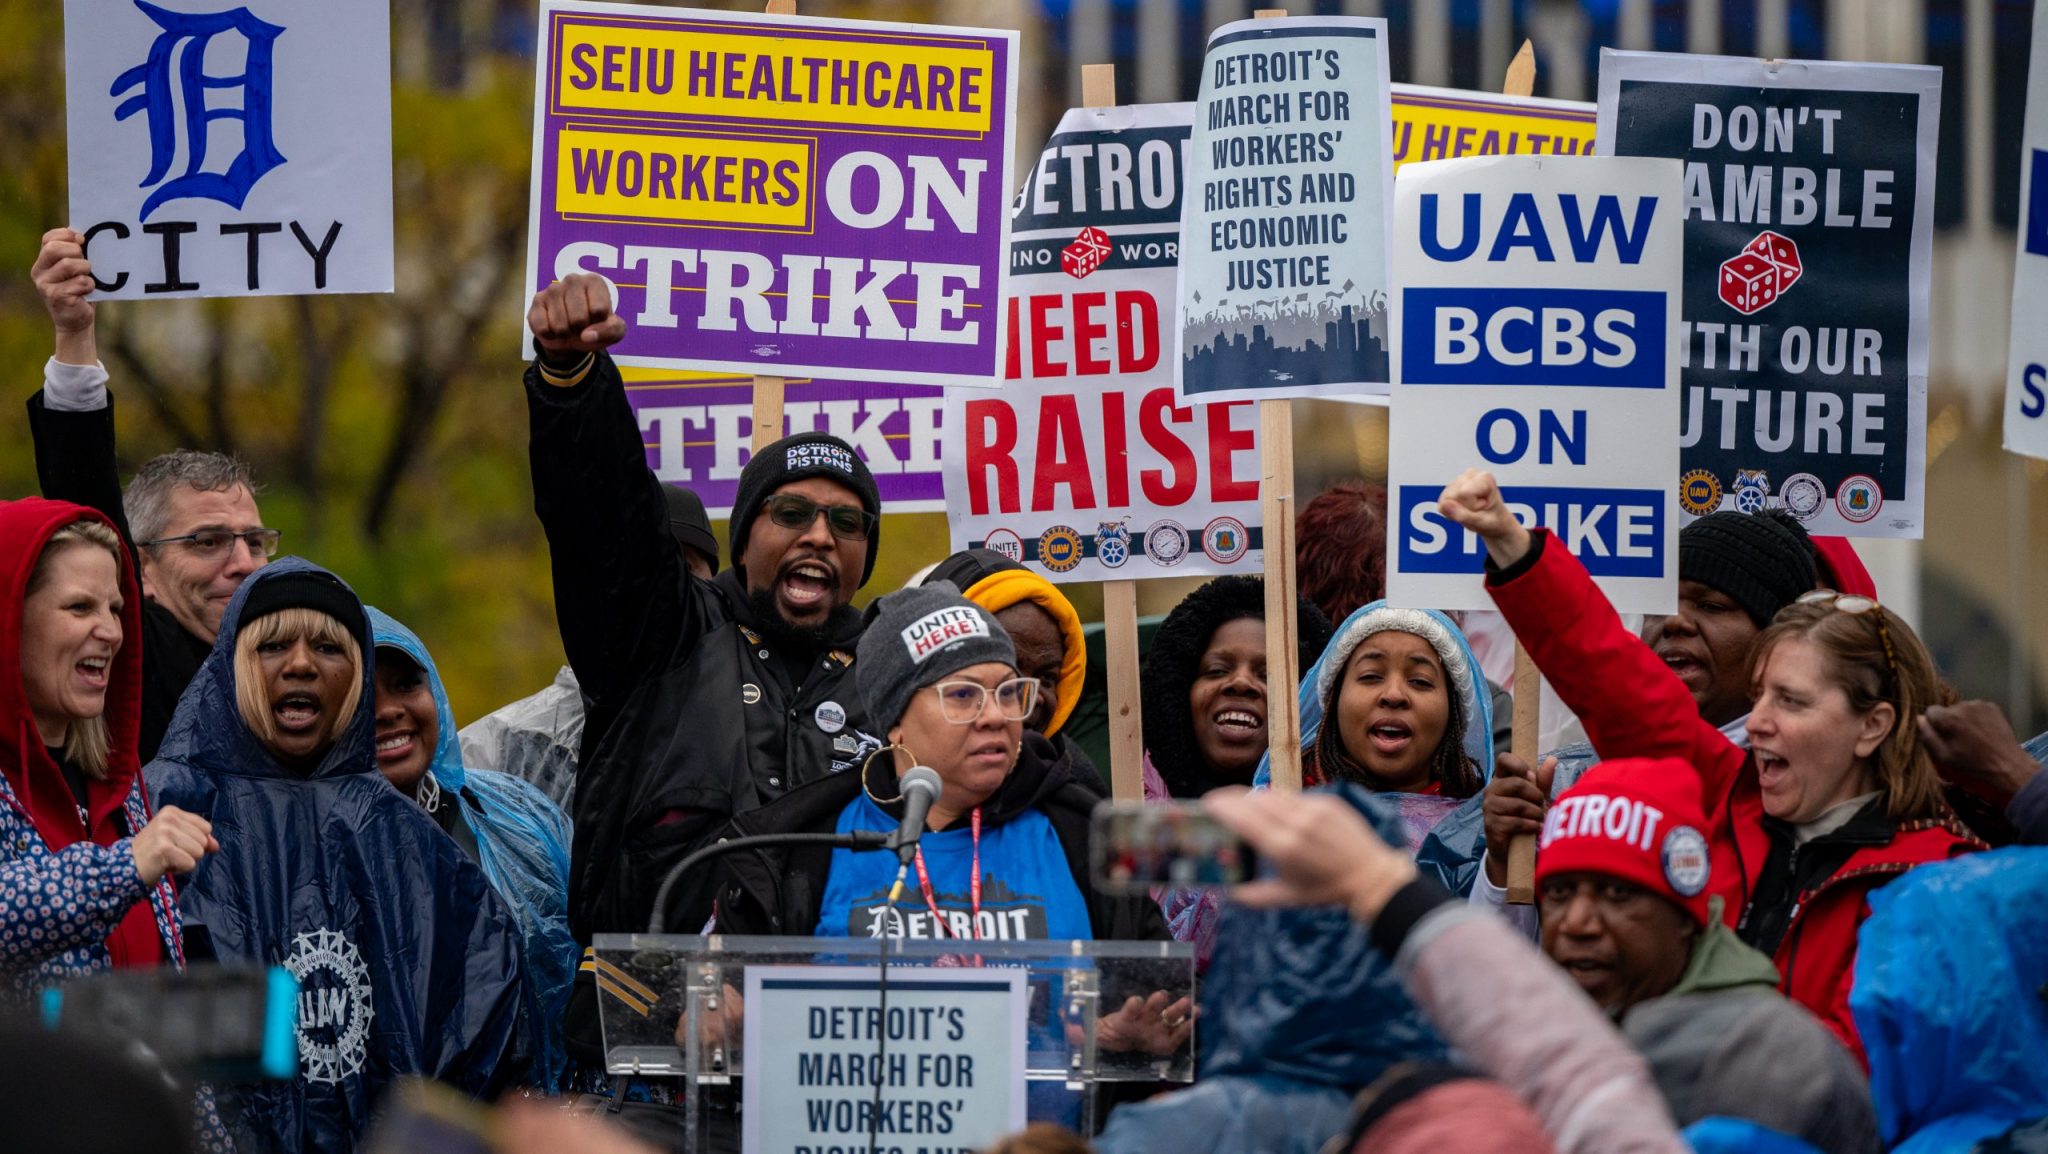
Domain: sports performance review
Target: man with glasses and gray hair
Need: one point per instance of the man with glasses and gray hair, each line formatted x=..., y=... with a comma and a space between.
x=191, y=516
x=705, y=698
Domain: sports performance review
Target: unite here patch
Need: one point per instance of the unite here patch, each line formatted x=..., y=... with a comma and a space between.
x=940, y=628
x=814, y=455
x=1630, y=822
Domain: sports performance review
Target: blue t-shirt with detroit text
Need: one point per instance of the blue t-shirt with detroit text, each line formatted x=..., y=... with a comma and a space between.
x=1027, y=891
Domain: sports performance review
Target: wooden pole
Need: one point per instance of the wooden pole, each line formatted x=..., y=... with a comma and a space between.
x=1528, y=691
x=1119, y=598
x=1276, y=507
x=768, y=390
x=1528, y=700
x=1521, y=78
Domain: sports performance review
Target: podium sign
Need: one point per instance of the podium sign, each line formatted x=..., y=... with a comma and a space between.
x=947, y=1048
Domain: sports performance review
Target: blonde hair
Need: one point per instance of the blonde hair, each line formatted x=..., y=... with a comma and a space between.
x=88, y=744
x=252, y=695
x=1875, y=657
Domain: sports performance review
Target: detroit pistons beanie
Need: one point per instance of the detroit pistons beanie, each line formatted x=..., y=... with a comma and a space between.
x=1637, y=819
x=793, y=459
x=1756, y=559
x=918, y=637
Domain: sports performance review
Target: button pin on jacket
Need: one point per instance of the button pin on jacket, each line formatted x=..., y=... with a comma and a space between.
x=750, y=693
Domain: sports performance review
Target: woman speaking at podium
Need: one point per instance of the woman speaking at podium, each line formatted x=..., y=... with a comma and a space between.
x=1004, y=855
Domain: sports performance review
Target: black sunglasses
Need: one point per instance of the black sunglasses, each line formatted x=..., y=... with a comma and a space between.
x=794, y=512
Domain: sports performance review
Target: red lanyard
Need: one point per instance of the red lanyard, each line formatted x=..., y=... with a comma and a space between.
x=931, y=901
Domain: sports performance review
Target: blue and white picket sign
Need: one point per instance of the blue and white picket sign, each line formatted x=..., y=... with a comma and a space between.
x=2026, y=379
x=230, y=147
x=1535, y=335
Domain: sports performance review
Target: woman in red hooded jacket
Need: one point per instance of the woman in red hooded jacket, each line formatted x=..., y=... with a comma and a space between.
x=85, y=868
x=1835, y=795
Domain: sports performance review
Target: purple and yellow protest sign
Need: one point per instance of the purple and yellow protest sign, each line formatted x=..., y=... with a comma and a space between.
x=779, y=195
x=697, y=429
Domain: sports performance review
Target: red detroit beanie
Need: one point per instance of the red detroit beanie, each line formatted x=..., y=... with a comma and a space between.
x=1637, y=819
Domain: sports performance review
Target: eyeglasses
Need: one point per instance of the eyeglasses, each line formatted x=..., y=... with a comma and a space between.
x=961, y=702
x=794, y=512
x=208, y=543
x=1857, y=605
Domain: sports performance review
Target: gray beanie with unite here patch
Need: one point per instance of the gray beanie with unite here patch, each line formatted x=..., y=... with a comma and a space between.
x=919, y=637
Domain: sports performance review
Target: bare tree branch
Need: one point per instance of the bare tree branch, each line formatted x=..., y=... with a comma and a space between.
x=138, y=368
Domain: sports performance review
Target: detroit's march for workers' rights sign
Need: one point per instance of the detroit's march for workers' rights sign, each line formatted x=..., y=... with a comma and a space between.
x=2026, y=385
x=778, y=195
x=1809, y=192
x=1283, y=267
x=948, y=1055
x=1085, y=466
x=230, y=149
x=1537, y=336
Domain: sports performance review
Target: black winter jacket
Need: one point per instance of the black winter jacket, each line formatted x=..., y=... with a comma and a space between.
x=75, y=463
x=779, y=890
x=693, y=715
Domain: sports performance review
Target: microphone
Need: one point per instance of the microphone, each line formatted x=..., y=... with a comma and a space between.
x=920, y=787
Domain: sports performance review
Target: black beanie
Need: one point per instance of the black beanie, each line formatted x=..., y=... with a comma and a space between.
x=793, y=459
x=1758, y=560
x=308, y=589
x=689, y=524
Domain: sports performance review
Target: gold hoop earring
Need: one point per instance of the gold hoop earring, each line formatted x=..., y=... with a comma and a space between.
x=870, y=760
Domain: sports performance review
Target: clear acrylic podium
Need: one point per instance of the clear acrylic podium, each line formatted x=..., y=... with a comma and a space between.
x=667, y=1006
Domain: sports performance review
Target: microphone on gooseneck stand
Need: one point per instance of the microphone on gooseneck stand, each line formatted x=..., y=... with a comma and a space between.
x=920, y=787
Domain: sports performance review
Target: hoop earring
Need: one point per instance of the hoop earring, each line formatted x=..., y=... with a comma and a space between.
x=869, y=760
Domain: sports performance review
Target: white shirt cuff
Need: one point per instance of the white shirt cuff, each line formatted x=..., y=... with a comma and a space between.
x=1486, y=894
x=74, y=388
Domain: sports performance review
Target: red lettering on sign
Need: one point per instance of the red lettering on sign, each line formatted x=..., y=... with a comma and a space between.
x=1153, y=414
x=1062, y=457
x=1043, y=334
x=1116, y=453
x=1137, y=328
x=991, y=444
x=1086, y=329
x=1224, y=440
x=1012, y=368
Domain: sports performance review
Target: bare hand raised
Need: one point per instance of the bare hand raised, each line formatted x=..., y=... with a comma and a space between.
x=1514, y=806
x=172, y=842
x=574, y=316
x=1319, y=850
x=1975, y=747
x=1474, y=501
x=63, y=277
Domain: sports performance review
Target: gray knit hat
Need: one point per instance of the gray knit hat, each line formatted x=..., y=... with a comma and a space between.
x=917, y=637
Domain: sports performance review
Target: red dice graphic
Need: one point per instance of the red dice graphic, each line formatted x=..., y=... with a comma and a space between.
x=1780, y=251
x=1085, y=253
x=1760, y=273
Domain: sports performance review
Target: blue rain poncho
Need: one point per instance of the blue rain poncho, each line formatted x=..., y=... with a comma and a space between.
x=407, y=962
x=1949, y=1000
x=522, y=842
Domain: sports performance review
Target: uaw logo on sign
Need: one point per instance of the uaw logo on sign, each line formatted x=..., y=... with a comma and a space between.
x=1085, y=253
x=1752, y=490
x=334, y=1005
x=1699, y=492
x=1112, y=544
x=1760, y=273
x=1059, y=548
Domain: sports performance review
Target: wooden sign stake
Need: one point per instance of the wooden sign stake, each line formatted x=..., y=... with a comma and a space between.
x=1521, y=81
x=1276, y=506
x=1119, y=598
x=768, y=390
x=1528, y=693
